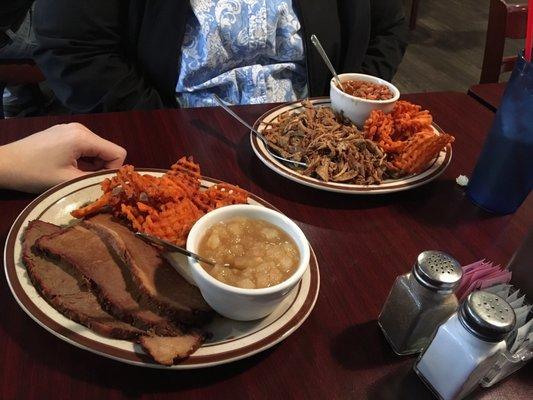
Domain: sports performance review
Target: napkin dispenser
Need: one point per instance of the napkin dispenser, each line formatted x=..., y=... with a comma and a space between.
x=513, y=359
x=521, y=265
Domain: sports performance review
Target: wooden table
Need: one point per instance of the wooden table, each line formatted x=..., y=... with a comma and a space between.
x=488, y=94
x=362, y=244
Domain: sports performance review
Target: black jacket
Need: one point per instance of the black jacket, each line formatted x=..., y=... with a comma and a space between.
x=106, y=55
x=12, y=13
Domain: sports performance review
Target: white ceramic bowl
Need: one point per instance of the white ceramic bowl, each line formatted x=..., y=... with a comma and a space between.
x=238, y=303
x=356, y=108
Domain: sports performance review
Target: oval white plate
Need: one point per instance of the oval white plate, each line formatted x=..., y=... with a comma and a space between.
x=231, y=340
x=436, y=168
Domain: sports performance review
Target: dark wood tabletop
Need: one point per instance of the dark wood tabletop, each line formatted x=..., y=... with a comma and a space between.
x=362, y=244
x=488, y=94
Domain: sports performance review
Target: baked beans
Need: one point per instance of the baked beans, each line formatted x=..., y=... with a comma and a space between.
x=367, y=90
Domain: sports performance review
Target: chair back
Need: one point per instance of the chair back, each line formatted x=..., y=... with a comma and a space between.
x=507, y=20
x=19, y=72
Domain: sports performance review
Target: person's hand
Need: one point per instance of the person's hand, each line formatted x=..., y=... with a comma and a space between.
x=55, y=155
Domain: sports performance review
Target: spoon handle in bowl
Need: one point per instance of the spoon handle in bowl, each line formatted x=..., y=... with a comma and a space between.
x=325, y=57
x=172, y=247
x=256, y=132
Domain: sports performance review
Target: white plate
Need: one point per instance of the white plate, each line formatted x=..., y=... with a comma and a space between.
x=231, y=340
x=433, y=170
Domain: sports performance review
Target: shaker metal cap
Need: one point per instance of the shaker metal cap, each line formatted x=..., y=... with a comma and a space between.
x=437, y=270
x=487, y=316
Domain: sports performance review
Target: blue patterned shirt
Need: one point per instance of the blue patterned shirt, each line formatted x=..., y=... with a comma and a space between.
x=245, y=51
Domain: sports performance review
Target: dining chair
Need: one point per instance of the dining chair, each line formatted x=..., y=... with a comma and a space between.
x=414, y=14
x=507, y=20
x=17, y=72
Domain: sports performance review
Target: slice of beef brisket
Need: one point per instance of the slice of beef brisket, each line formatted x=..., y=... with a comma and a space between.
x=110, y=281
x=156, y=279
x=167, y=350
x=66, y=290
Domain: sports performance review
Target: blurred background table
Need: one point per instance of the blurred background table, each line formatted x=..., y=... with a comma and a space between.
x=488, y=94
x=362, y=244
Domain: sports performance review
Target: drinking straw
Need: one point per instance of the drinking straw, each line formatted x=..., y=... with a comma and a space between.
x=529, y=32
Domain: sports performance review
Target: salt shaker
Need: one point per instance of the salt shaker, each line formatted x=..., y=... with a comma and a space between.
x=420, y=301
x=465, y=347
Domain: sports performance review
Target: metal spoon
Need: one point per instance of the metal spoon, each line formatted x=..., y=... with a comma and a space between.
x=325, y=57
x=173, y=247
x=258, y=134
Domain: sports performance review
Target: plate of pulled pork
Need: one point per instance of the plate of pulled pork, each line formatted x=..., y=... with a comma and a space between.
x=76, y=267
x=391, y=153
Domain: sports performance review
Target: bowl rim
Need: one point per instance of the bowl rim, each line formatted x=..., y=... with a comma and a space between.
x=375, y=79
x=198, y=229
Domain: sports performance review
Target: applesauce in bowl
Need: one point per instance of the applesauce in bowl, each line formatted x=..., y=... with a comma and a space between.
x=248, y=303
x=249, y=253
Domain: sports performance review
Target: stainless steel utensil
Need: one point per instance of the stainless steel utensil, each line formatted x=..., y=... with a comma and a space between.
x=257, y=133
x=173, y=247
x=325, y=57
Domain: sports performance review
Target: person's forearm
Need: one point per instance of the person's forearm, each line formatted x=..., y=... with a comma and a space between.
x=7, y=168
x=46, y=158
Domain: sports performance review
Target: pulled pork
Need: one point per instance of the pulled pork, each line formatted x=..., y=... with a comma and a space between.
x=332, y=147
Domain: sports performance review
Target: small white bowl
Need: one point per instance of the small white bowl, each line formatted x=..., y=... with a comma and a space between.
x=238, y=303
x=358, y=109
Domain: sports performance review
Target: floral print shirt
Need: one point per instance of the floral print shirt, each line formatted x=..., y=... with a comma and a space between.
x=245, y=51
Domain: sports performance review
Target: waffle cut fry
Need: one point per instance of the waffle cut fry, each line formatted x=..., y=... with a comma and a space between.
x=406, y=136
x=420, y=150
x=409, y=119
x=165, y=206
x=379, y=127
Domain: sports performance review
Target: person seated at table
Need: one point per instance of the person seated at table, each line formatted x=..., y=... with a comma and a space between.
x=17, y=42
x=55, y=155
x=108, y=55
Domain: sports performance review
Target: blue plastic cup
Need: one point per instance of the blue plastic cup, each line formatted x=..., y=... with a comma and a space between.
x=503, y=176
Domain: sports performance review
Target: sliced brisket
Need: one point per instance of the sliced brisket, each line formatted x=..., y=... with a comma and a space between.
x=66, y=290
x=89, y=254
x=156, y=279
x=167, y=350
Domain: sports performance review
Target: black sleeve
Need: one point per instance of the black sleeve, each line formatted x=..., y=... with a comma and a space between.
x=12, y=13
x=388, y=38
x=81, y=52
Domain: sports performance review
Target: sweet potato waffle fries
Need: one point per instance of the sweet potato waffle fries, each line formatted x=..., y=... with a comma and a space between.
x=165, y=206
x=406, y=136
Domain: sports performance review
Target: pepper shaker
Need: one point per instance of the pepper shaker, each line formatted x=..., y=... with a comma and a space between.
x=465, y=347
x=420, y=301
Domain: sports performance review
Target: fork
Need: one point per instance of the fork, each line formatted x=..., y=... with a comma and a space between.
x=172, y=247
x=256, y=132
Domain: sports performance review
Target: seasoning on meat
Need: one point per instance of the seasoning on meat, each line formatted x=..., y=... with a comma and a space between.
x=67, y=290
x=156, y=280
x=90, y=256
x=71, y=293
x=333, y=148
